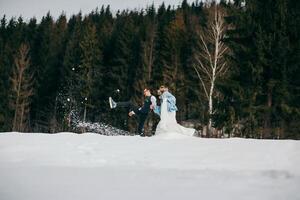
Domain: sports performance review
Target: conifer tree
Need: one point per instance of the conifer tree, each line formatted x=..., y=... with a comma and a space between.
x=4, y=77
x=89, y=65
x=118, y=62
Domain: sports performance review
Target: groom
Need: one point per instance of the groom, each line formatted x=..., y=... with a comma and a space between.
x=141, y=112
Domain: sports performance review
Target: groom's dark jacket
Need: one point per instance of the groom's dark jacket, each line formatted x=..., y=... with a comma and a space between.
x=145, y=109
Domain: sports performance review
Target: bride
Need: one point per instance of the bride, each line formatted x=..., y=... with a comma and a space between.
x=167, y=111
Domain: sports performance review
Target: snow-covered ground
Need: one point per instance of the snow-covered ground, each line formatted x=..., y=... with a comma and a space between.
x=69, y=166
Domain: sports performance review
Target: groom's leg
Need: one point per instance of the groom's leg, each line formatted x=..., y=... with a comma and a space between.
x=124, y=104
x=142, y=119
x=129, y=105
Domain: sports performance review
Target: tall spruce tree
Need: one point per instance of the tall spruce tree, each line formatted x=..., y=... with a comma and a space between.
x=118, y=59
x=90, y=66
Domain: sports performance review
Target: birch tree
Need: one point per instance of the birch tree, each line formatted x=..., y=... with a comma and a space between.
x=210, y=63
x=21, y=88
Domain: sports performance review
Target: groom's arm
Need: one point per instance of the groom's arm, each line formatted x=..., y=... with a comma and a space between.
x=153, y=102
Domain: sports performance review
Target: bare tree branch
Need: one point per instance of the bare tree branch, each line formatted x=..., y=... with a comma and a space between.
x=210, y=61
x=21, y=88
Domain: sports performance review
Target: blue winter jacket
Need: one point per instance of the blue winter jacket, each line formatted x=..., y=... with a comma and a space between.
x=171, y=100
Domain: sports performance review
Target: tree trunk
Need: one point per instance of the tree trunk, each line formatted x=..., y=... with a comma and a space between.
x=21, y=125
x=210, y=105
x=267, y=124
x=21, y=65
x=150, y=62
x=84, y=114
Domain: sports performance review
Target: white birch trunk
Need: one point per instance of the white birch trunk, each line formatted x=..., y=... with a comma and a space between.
x=210, y=63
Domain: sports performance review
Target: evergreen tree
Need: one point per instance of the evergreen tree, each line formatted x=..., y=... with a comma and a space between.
x=261, y=45
x=5, y=69
x=90, y=66
x=69, y=96
x=118, y=59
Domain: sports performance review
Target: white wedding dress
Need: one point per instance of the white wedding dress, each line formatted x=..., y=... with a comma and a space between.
x=168, y=125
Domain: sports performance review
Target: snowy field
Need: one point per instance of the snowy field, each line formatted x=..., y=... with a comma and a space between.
x=68, y=166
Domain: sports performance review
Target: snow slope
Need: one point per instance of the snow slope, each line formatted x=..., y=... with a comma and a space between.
x=69, y=166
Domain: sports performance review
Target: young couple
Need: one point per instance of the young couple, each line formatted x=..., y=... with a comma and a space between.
x=167, y=112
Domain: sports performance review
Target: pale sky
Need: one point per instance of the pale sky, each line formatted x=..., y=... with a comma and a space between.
x=39, y=8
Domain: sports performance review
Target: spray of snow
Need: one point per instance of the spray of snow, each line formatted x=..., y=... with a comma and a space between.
x=101, y=128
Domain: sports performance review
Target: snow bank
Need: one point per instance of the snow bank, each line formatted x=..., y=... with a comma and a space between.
x=92, y=166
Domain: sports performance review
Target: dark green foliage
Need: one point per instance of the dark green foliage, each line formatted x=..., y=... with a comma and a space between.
x=261, y=87
x=79, y=62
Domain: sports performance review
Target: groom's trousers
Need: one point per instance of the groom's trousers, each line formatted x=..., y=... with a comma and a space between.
x=141, y=116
